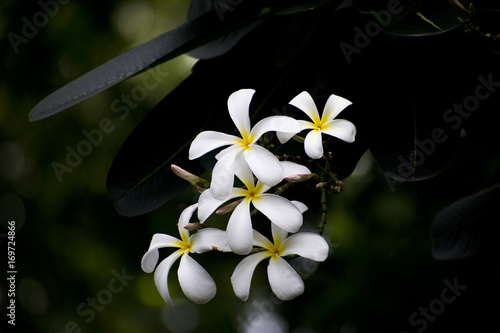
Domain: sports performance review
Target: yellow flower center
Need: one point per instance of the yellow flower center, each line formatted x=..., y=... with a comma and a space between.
x=252, y=192
x=245, y=141
x=184, y=245
x=275, y=251
x=319, y=124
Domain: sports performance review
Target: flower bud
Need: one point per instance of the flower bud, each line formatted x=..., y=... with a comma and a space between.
x=228, y=208
x=193, y=179
x=192, y=226
x=300, y=178
x=320, y=185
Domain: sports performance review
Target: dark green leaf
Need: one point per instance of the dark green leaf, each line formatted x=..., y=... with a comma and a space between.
x=487, y=14
x=468, y=226
x=189, y=36
x=223, y=9
x=140, y=179
x=412, y=18
x=479, y=125
x=406, y=103
x=432, y=18
x=397, y=9
x=299, y=30
x=284, y=7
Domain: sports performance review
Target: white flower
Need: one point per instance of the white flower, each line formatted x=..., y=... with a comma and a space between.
x=340, y=128
x=195, y=282
x=284, y=280
x=276, y=208
x=262, y=162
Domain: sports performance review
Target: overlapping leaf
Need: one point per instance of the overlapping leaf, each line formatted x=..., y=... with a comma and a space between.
x=195, y=33
x=140, y=179
x=409, y=135
x=285, y=7
x=468, y=226
x=434, y=17
x=413, y=18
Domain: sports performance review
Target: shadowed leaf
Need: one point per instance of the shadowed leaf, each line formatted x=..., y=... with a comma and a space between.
x=434, y=17
x=284, y=7
x=223, y=9
x=405, y=106
x=140, y=179
x=186, y=37
x=468, y=226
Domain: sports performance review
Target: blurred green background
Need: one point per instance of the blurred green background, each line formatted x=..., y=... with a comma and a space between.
x=71, y=244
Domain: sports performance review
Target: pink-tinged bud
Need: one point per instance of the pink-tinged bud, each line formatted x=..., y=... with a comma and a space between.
x=192, y=226
x=320, y=185
x=193, y=179
x=228, y=208
x=300, y=178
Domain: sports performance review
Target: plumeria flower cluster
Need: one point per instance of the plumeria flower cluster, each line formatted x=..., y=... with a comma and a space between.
x=245, y=161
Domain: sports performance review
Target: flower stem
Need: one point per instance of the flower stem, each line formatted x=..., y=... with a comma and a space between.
x=283, y=188
x=324, y=211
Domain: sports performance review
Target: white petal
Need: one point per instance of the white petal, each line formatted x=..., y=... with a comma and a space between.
x=208, y=141
x=302, y=208
x=306, y=125
x=195, y=281
x=243, y=172
x=184, y=219
x=304, y=102
x=265, y=166
x=223, y=175
x=334, y=105
x=260, y=187
x=342, y=129
x=279, y=235
x=226, y=151
x=209, y=239
x=284, y=137
x=238, y=105
x=313, y=144
x=207, y=203
x=150, y=258
x=280, y=211
x=161, y=275
x=291, y=168
x=239, y=229
x=261, y=241
x=284, y=280
x=307, y=245
x=282, y=124
x=242, y=275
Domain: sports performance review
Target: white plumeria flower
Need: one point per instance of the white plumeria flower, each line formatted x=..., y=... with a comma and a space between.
x=284, y=280
x=340, y=128
x=195, y=282
x=262, y=162
x=276, y=208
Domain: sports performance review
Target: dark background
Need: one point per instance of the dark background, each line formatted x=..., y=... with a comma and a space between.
x=71, y=243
